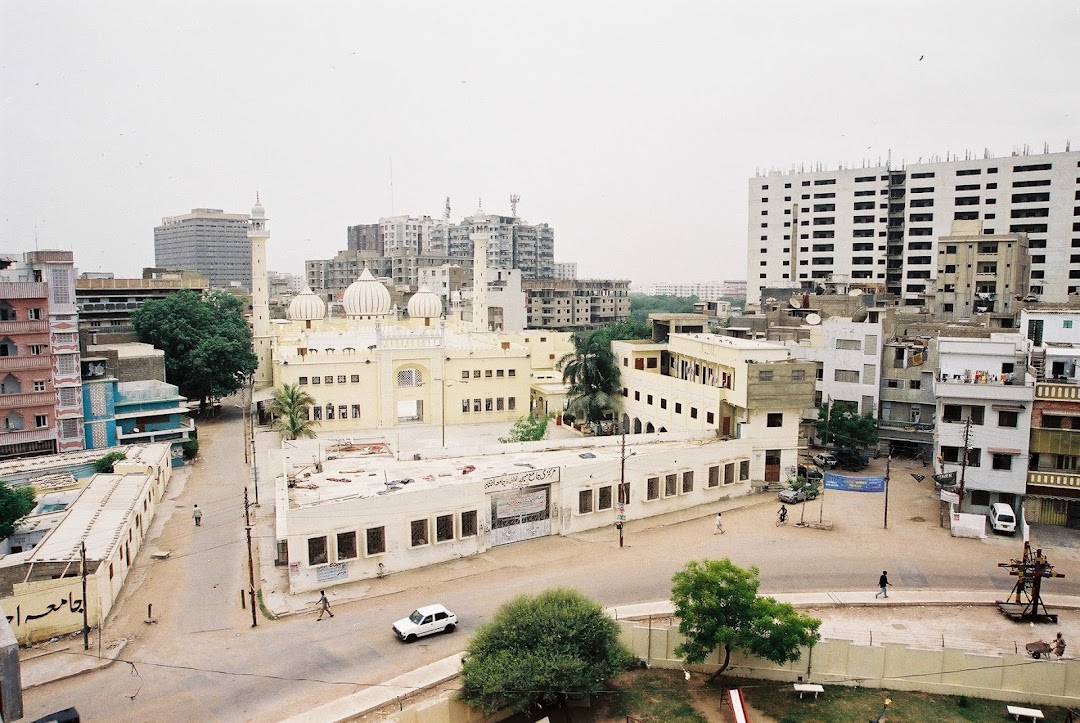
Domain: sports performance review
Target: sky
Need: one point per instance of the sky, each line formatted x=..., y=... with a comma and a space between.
x=631, y=127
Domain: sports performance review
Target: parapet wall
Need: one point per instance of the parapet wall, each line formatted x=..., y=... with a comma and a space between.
x=1012, y=678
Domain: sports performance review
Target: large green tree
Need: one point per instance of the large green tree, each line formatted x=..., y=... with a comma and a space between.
x=15, y=504
x=641, y=305
x=717, y=605
x=840, y=424
x=528, y=429
x=593, y=376
x=535, y=650
x=207, y=342
x=629, y=328
x=289, y=407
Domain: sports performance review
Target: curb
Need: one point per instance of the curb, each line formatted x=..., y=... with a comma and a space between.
x=102, y=662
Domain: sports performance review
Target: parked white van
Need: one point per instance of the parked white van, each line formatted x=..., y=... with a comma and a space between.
x=1002, y=518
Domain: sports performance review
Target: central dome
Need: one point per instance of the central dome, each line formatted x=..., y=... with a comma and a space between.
x=307, y=306
x=425, y=304
x=366, y=297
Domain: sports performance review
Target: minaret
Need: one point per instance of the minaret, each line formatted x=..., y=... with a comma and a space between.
x=480, y=283
x=260, y=296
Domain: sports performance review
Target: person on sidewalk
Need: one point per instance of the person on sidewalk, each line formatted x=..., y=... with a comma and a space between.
x=323, y=605
x=883, y=583
x=197, y=514
x=1059, y=645
x=782, y=514
x=719, y=525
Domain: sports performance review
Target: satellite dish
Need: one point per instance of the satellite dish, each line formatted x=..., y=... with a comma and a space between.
x=813, y=319
x=795, y=303
x=861, y=315
x=855, y=292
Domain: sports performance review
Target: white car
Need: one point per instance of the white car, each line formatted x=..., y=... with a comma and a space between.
x=825, y=460
x=427, y=620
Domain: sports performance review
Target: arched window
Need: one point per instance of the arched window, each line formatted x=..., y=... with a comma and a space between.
x=10, y=385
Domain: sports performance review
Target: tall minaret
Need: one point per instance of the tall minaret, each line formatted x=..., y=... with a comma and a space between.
x=260, y=296
x=480, y=282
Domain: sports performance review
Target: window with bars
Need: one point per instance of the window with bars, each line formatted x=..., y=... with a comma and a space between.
x=316, y=547
x=375, y=540
x=409, y=378
x=671, y=485
x=652, y=488
x=346, y=545
x=418, y=533
x=687, y=482
x=444, y=528
x=603, y=498
x=584, y=502
x=468, y=523
x=714, y=476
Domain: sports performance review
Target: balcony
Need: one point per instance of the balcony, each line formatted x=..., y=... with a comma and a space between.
x=1066, y=480
x=29, y=326
x=1055, y=441
x=26, y=435
x=1057, y=391
x=22, y=363
x=32, y=399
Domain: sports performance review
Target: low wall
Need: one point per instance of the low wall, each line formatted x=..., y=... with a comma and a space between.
x=446, y=709
x=1012, y=678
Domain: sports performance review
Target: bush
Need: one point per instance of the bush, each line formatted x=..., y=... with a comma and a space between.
x=105, y=464
x=191, y=449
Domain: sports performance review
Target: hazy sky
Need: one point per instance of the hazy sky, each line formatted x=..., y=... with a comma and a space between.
x=630, y=127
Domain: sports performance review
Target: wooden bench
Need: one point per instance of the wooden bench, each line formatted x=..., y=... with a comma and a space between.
x=814, y=688
x=1033, y=713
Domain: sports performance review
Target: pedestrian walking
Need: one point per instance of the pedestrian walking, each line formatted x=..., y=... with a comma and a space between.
x=719, y=525
x=883, y=583
x=323, y=605
x=197, y=514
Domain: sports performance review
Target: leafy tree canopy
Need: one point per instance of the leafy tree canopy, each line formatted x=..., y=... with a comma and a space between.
x=105, y=464
x=528, y=429
x=629, y=328
x=593, y=376
x=536, y=650
x=289, y=408
x=718, y=606
x=15, y=504
x=641, y=305
x=207, y=342
x=845, y=427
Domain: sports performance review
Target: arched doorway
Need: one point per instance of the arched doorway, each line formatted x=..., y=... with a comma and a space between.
x=637, y=426
x=626, y=423
x=649, y=428
x=663, y=430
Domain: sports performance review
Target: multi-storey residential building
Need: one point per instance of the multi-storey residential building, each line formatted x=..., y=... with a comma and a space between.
x=565, y=270
x=849, y=355
x=979, y=273
x=1053, y=481
x=40, y=385
x=209, y=241
x=908, y=405
x=329, y=278
x=412, y=235
x=365, y=237
x=579, y=304
x=704, y=290
x=106, y=304
x=735, y=388
x=984, y=401
x=514, y=244
x=882, y=224
x=733, y=288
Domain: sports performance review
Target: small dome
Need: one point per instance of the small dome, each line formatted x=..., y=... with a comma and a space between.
x=307, y=306
x=425, y=304
x=257, y=211
x=366, y=297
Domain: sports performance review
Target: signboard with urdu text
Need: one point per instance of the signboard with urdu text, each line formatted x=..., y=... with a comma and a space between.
x=844, y=483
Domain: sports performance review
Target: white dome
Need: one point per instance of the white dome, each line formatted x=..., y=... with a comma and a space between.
x=306, y=306
x=366, y=297
x=257, y=211
x=425, y=304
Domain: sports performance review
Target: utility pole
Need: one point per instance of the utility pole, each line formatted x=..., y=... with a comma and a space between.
x=85, y=613
x=622, y=486
x=964, y=462
x=888, y=464
x=251, y=562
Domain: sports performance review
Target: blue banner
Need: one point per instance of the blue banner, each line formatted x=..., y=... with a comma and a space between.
x=845, y=483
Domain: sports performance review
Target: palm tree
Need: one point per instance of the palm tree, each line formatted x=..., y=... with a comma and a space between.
x=289, y=407
x=593, y=376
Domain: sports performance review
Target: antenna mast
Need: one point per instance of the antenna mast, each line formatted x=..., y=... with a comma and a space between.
x=446, y=212
x=514, y=198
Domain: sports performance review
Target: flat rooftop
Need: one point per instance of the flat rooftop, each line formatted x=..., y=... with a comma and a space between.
x=96, y=518
x=370, y=470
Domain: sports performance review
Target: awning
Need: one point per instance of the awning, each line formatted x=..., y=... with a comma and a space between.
x=262, y=395
x=1008, y=407
x=1003, y=450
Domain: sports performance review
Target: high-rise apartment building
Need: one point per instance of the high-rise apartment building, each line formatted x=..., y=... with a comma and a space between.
x=412, y=235
x=565, y=270
x=576, y=304
x=40, y=375
x=881, y=225
x=365, y=237
x=704, y=290
x=513, y=243
x=209, y=241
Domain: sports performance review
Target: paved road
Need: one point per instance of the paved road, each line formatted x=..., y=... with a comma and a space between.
x=202, y=660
